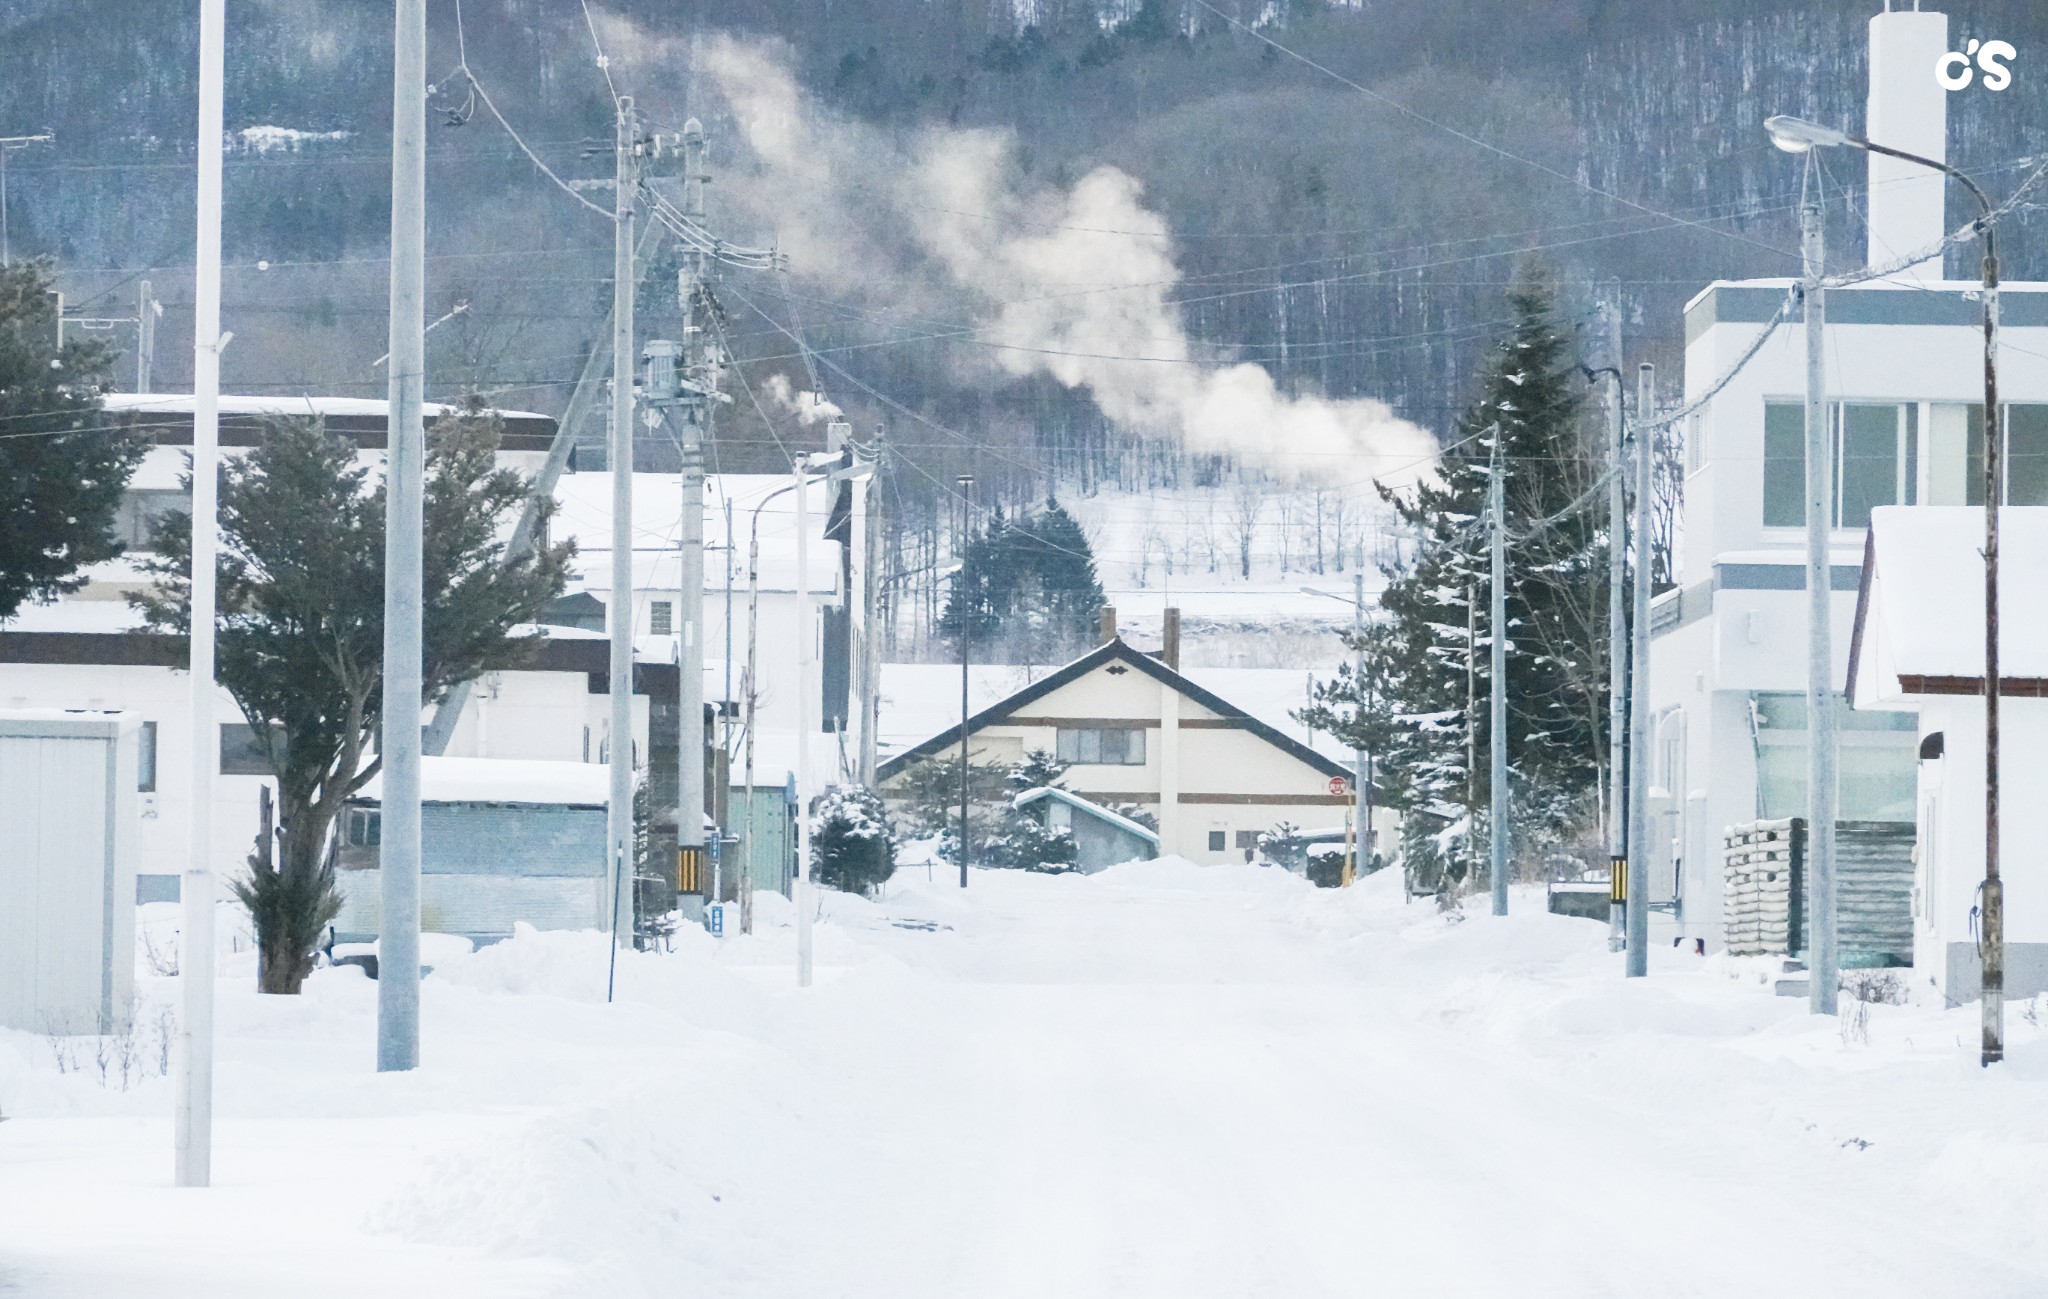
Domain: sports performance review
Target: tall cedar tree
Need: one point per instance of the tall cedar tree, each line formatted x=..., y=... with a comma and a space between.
x=301, y=628
x=1416, y=719
x=63, y=467
x=1029, y=582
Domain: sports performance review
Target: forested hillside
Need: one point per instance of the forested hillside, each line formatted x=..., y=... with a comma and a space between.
x=1343, y=213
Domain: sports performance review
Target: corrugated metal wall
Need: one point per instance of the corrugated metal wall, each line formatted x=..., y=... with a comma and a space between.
x=486, y=866
x=1764, y=875
x=67, y=874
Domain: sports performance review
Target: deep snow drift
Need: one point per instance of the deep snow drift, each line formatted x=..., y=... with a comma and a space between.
x=1163, y=1080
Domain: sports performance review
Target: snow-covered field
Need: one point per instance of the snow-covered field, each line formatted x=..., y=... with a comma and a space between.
x=1159, y=1081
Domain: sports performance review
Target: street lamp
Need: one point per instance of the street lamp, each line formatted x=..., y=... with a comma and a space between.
x=1361, y=761
x=1796, y=136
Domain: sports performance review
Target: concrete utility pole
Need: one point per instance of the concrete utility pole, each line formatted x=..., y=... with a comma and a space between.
x=147, y=309
x=1497, y=719
x=696, y=413
x=582, y=399
x=1637, y=928
x=1361, y=762
x=966, y=482
x=807, y=688
x=867, y=662
x=1822, y=959
x=1617, y=645
x=619, y=614
x=194, y=1120
x=1471, y=731
x=8, y=144
x=398, y=862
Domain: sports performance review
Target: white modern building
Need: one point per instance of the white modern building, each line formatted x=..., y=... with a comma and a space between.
x=1904, y=372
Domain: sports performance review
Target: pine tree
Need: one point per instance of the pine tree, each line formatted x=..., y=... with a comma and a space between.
x=301, y=627
x=852, y=847
x=63, y=469
x=1028, y=584
x=1411, y=707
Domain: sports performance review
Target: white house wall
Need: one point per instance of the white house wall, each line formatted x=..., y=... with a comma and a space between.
x=535, y=715
x=1229, y=779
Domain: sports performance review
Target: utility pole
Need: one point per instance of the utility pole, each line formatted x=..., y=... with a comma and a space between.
x=1361, y=764
x=8, y=144
x=619, y=615
x=398, y=865
x=194, y=1119
x=866, y=645
x=807, y=688
x=147, y=309
x=1822, y=960
x=1471, y=731
x=1637, y=927
x=1497, y=715
x=1617, y=645
x=1992, y=982
x=966, y=483
x=582, y=398
x=696, y=412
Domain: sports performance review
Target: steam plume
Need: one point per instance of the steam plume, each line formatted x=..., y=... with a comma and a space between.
x=1076, y=283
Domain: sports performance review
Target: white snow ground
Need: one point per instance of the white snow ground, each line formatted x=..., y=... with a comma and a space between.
x=1159, y=1081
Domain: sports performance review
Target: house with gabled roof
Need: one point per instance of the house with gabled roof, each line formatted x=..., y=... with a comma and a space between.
x=1136, y=731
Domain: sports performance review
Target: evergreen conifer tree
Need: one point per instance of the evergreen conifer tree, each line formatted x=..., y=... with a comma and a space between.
x=63, y=467
x=1425, y=666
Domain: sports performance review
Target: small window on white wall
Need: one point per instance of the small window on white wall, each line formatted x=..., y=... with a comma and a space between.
x=661, y=618
x=1105, y=746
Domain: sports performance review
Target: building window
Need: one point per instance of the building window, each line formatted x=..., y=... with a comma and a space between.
x=1876, y=460
x=1248, y=839
x=240, y=754
x=363, y=828
x=1120, y=747
x=145, y=759
x=661, y=618
x=1876, y=761
x=139, y=511
x=1784, y=465
x=1218, y=839
x=2026, y=455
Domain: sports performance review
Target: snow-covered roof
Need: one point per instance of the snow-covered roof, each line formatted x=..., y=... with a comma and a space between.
x=1090, y=808
x=175, y=403
x=506, y=780
x=75, y=615
x=1920, y=615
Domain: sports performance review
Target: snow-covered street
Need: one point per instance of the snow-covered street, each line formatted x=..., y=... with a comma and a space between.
x=1163, y=1080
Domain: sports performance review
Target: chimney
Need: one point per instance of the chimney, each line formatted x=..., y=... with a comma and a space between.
x=1169, y=644
x=1907, y=110
x=1105, y=624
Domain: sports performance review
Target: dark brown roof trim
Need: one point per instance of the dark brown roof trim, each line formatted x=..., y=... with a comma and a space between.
x=1112, y=651
x=2008, y=687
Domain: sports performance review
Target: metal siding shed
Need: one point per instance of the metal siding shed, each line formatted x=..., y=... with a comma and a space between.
x=68, y=811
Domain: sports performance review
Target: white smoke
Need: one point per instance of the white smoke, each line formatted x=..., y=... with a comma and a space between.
x=808, y=407
x=1076, y=283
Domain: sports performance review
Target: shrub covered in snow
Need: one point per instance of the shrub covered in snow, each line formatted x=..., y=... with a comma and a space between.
x=852, y=847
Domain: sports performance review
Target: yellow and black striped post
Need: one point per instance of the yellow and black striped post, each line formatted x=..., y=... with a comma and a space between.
x=1617, y=880
x=689, y=869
